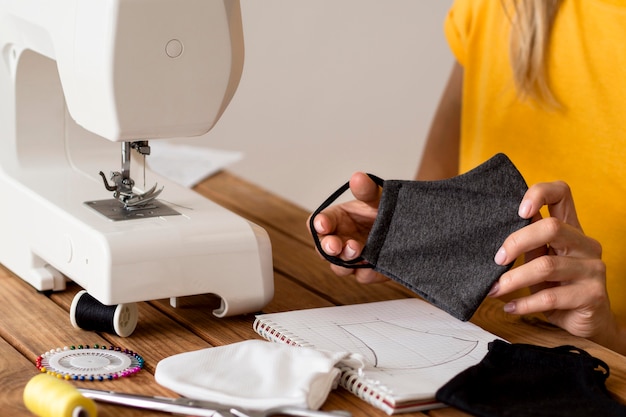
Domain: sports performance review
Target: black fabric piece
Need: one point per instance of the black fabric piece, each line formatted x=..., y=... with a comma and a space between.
x=439, y=238
x=519, y=380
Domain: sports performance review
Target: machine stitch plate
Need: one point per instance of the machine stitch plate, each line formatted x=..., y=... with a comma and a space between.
x=114, y=210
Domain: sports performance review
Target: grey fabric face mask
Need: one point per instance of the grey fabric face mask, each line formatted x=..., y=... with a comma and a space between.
x=439, y=238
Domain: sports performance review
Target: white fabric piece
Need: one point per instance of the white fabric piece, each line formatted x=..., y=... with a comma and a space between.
x=255, y=374
x=188, y=165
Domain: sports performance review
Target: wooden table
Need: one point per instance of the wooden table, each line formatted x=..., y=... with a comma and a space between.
x=32, y=323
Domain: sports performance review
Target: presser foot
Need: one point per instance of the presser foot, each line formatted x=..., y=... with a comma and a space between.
x=138, y=201
x=127, y=204
x=123, y=192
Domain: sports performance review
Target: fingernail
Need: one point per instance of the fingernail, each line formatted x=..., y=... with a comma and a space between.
x=327, y=248
x=494, y=288
x=509, y=307
x=317, y=223
x=500, y=257
x=350, y=253
x=524, y=209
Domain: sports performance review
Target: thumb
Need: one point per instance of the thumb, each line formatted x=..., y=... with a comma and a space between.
x=365, y=189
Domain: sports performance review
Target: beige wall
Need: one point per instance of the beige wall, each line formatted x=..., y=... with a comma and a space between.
x=331, y=87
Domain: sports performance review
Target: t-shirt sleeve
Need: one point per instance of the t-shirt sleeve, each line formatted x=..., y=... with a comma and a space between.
x=457, y=26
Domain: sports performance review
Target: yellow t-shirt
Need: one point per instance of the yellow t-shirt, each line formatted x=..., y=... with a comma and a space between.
x=583, y=142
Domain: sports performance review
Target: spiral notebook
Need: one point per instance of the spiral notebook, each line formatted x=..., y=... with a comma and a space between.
x=410, y=347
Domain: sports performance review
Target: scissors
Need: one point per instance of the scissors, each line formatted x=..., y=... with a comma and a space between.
x=199, y=408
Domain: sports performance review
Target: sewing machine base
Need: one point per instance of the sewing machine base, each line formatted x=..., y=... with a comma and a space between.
x=50, y=235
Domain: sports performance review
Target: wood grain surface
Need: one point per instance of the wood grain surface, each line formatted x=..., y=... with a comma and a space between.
x=32, y=323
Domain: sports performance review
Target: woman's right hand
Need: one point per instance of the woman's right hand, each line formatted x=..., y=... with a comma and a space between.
x=343, y=228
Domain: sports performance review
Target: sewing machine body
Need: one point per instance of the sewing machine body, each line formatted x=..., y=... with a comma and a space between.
x=77, y=79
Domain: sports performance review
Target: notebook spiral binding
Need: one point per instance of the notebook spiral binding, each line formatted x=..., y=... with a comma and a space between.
x=370, y=392
x=274, y=333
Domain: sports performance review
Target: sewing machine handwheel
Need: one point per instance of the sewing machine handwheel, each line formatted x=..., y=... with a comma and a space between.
x=87, y=313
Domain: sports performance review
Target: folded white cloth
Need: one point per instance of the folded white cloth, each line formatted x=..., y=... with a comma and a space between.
x=255, y=374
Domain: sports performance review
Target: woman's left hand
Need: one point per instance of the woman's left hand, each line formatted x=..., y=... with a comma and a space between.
x=563, y=268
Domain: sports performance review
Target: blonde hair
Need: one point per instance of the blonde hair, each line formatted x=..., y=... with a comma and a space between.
x=531, y=24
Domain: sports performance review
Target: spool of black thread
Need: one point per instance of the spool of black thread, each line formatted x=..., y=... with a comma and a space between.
x=87, y=313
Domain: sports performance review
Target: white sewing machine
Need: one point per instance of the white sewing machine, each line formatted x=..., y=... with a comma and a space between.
x=85, y=83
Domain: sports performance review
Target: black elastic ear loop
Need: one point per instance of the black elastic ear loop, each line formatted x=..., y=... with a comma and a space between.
x=353, y=263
